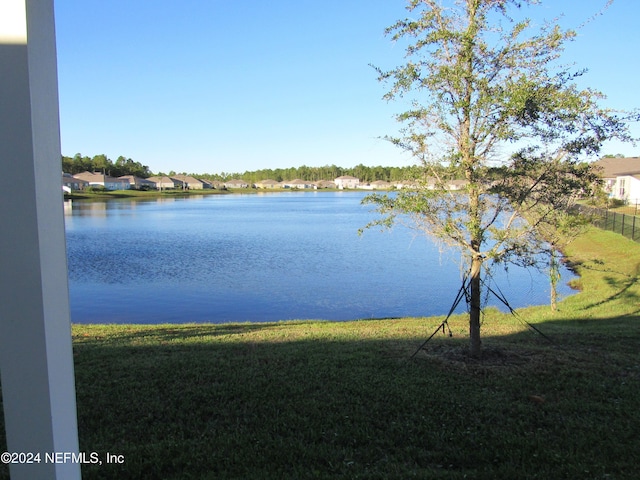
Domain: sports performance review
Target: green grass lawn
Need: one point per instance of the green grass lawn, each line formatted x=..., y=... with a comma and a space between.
x=298, y=400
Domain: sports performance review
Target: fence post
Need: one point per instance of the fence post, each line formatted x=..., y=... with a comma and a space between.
x=613, y=225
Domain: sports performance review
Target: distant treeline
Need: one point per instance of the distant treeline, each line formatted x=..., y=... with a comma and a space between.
x=314, y=174
x=101, y=163
x=125, y=166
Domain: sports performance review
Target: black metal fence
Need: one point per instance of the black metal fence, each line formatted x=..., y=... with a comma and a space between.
x=624, y=224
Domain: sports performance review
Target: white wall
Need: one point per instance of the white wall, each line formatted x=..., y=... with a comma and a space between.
x=36, y=360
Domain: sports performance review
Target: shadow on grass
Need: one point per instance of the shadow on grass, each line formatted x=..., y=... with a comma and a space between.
x=163, y=334
x=319, y=400
x=622, y=291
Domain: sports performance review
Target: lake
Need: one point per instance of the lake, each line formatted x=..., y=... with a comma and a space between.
x=260, y=257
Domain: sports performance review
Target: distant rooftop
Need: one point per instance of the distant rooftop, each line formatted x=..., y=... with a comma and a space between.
x=615, y=167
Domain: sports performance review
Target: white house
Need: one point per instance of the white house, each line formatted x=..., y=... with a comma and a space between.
x=621, y=178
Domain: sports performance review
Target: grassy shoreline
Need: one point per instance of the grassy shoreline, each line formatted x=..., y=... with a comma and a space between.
x=314, y=399
x=141, y=194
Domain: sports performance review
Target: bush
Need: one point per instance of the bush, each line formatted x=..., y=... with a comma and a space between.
x=96, y=189
x=615, y=203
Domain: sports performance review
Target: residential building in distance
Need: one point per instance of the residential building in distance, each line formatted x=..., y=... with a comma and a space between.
x=236, y=183
x=71, y=183
x=96, y=179
x=192, y=183
x=297, y=183
x=137, y=182
x=325, y=184
x=377, y=185
x=164, y=182
x=621, y=177
x=268, y=184
x=347, y=181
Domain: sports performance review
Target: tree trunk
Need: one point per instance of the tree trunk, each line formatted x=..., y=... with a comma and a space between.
x=475, y=349
x=554, y=276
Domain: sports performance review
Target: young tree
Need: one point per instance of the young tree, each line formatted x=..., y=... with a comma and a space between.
x=482, y=80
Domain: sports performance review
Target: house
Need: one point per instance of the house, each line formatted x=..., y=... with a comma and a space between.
x=137, y=182
x=347, y=181
x=268, y=184
x=192, y=183
x=380, y=185
x=621, y=177
x=236, y=183
x=163, y=182
x=297, y=183
x=96, y=179
x=433, y=183
x=324, y=184
x=408, y=184
x=206, y=184
x=453, y=185
x=71, y=183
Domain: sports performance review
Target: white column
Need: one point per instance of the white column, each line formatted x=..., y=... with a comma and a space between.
x=36, y=359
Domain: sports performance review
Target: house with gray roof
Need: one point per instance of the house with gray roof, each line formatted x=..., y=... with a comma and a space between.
x=163, y=182
x=192, y=183
x=72, y=183
x=138, y=182
x=97, y=179
x=236, y=183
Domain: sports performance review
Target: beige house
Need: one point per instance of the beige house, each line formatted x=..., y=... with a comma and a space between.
x=457, y=184
x=408, y=184
x=268, y=184
x=164, y=182
x=380, y=185
x=325, y=184
x=347, y=181
x=236, y=183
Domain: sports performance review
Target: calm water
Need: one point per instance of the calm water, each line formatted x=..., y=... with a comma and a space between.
x=269, y=257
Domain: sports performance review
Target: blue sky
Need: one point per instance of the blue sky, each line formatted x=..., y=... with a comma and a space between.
x=209, y=86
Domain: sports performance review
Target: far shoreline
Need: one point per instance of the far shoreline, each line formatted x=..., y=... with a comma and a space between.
x=151, y=194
